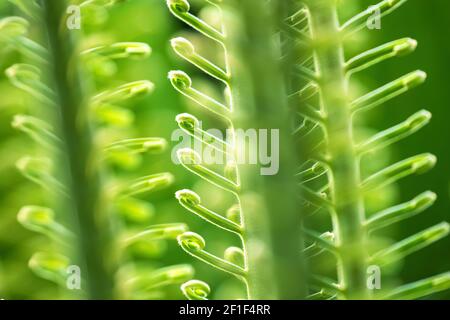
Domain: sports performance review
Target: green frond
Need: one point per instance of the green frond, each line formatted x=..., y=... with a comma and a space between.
x=53, y=79
x=196, y=290
x=396, y=133
x=421, y=288
x=192, y=202
x=50, y=266
x=28, y=78
x=397, y=48
x=39, y=171
x=192, y=162
x=138, y=145
x=385, y=7
x=400, y=212
x=325, y=103
x=183, y=84
x=120, y=50
x=415, y=165
x=158, y=232
x=185, y=49
x=42, y=220
x=411, y=244
x=40, y=131
x=194, y=245
x=148, y=183
x=124, y=92
x=180, y=9
x=191, y=125
x=324, y=241
x=163, y=277
x=389, y=91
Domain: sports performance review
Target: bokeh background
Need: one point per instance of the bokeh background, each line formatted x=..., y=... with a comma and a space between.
x=149, y=21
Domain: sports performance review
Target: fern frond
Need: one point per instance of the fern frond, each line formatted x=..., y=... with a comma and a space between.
x=74, y=167
x=421, y=288
x=345, y=187
x=195, y=290
x=194, y=245
x=238, y=103
x=401, y=211
x=411, y=244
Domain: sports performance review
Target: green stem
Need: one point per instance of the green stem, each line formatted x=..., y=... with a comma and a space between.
x=344, y=173
x=272, y=237
x=78, y=168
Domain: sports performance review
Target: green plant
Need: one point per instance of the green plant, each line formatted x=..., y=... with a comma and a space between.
x=326, y=102
x=285, y=67
x=337, y=154
x=97, y=218
x=254, y=91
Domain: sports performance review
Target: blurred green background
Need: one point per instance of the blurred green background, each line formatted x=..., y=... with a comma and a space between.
x=149, y=21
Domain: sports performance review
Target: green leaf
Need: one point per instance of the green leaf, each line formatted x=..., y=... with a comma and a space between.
x=121, y=50
x=50, y=266
x=158, y=232
x=400, y=212
x=162, y=277
x=191, y=125
x=194, y=244
x=387, y=137
x=12, y=27
x=185, y=49
x=38, y=170
x=42, y=220
x=415, y=165
x=386, y=51
x=28, y=78
x=192, y=202
x=40, y=131
x=124, y=92
x=183, y=84
x=389, y=91
x=411, y=244
x=196, y=290
x=385, y=7
x=138, y=145
x=148, y=183
x=180, y=9
x=191, y=161
x=421, y=288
